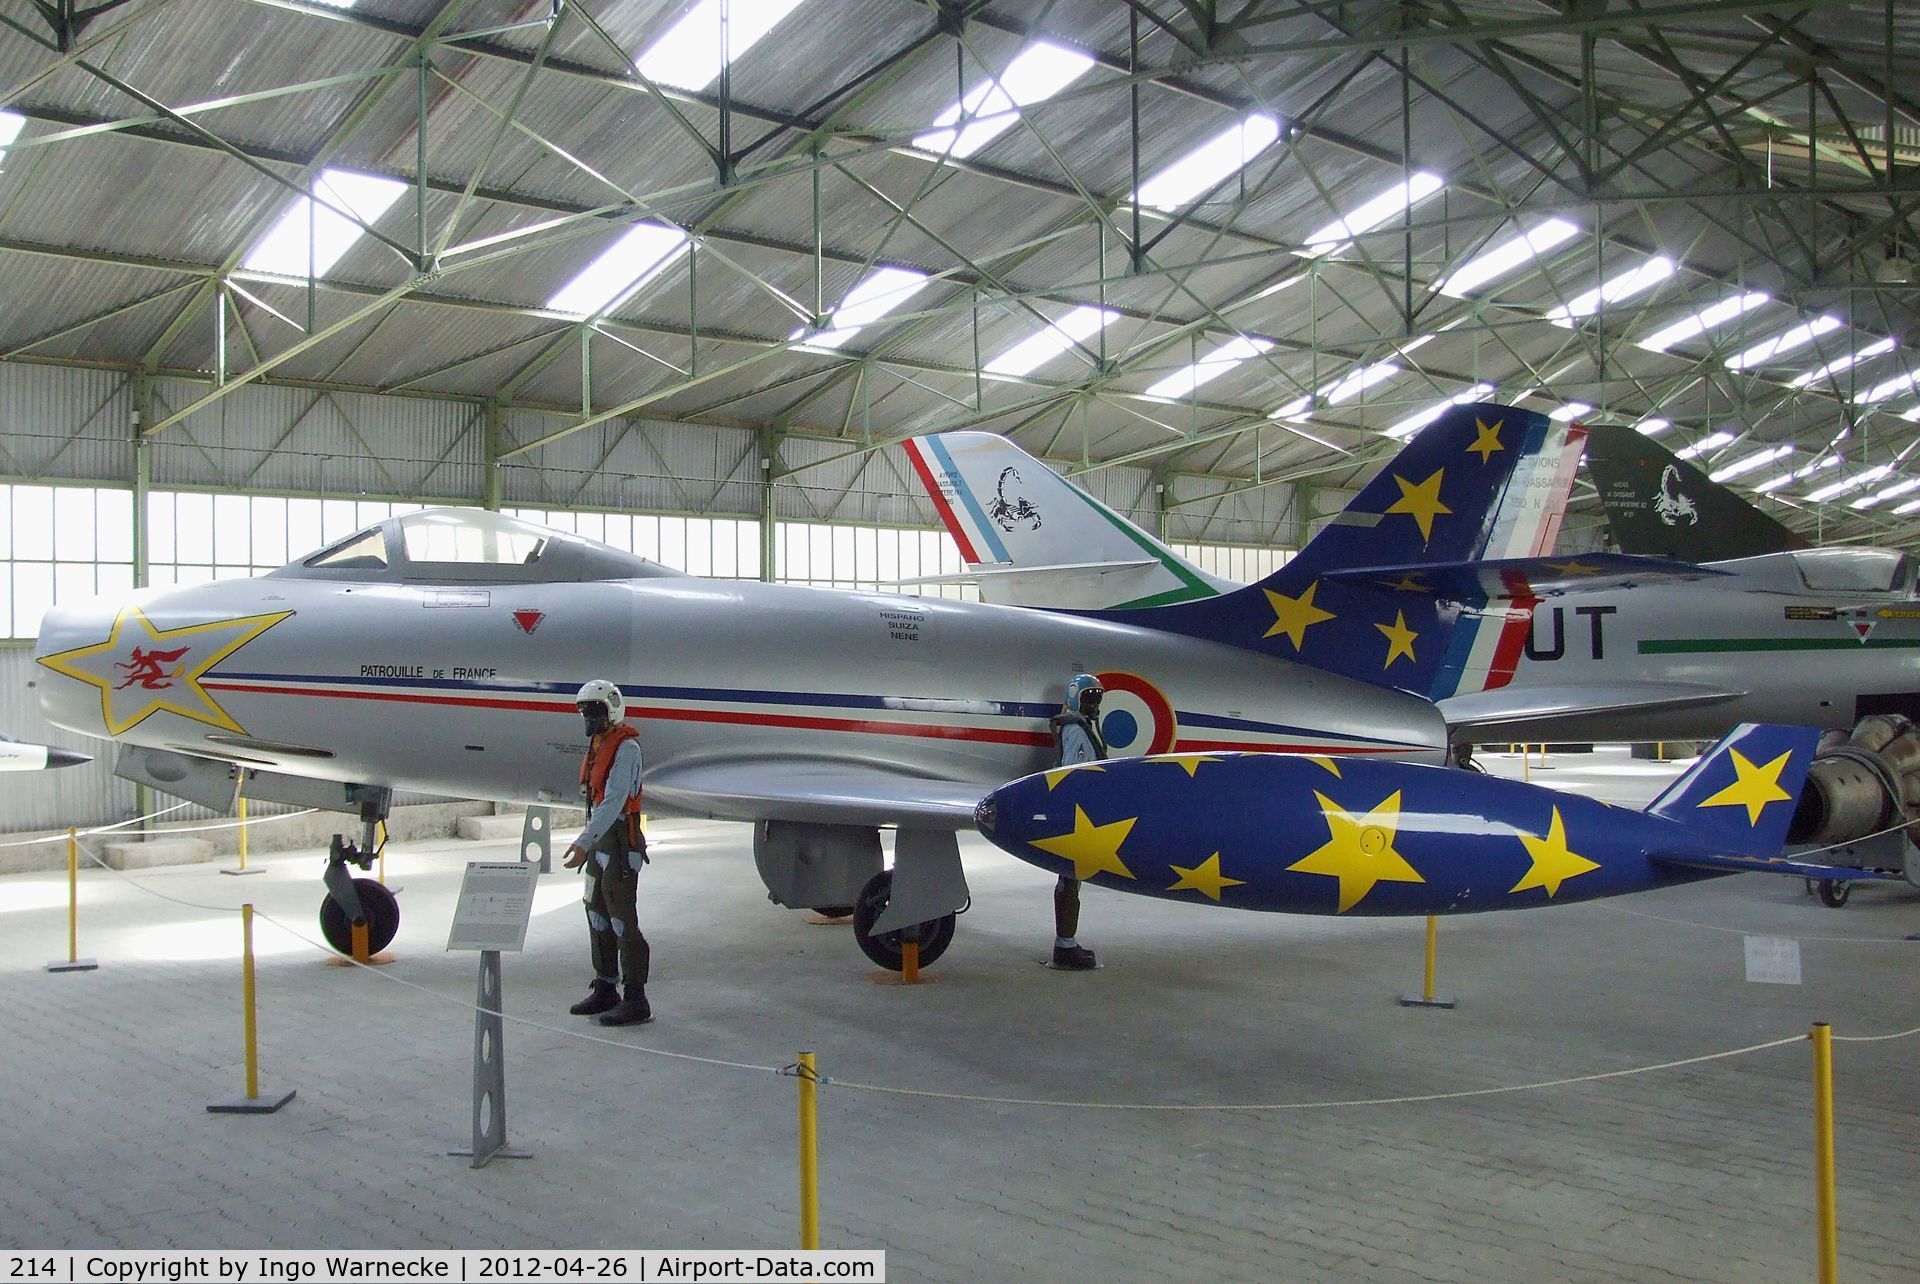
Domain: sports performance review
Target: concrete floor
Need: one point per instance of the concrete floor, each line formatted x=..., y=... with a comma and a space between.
x=1696, y=1173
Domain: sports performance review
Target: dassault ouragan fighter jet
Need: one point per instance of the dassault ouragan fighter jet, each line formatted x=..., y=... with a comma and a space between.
x=440, y=651
x=1594, y=647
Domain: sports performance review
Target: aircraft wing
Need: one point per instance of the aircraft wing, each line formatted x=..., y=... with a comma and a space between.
x=1526, y=576
x=1723, y=863
x=822, y=791
x=1517, y=706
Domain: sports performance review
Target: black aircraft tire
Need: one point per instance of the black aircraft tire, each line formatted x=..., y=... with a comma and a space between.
x=383, y=918
x=1834, y=892
x=831, y=911
x=884, y=949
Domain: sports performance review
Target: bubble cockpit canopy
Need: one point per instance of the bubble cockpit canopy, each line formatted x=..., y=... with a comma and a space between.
x=468, y=546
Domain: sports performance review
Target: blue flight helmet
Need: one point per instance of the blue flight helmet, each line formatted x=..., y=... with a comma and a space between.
x=1080, y=684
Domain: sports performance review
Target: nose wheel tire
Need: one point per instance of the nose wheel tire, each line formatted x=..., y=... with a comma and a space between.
x=383, y=918
x=884, y=948
x=1834, y=892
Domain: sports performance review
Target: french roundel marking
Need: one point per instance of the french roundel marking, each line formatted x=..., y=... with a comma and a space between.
x=1135, y=719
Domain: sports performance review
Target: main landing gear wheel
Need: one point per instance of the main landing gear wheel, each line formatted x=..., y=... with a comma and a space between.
x=383, y=918
x=884, y=948
x=1834, y=892
x=832, y=911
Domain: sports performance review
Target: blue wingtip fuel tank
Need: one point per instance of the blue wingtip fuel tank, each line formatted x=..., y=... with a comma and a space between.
x=1312, y=835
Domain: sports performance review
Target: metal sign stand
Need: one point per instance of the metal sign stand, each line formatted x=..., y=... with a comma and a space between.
x=496, y=900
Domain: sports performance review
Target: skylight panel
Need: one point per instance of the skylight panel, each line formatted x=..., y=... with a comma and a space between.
x=283, y=250
x=1345, y=388
x=1741, y=467
x=689, y=55
x=11, y=123
x=1624, y=286
x=991, y=108
x=1887, y=388
x=1217, y=158
x=1711, y=442
x=1798, y=474
x=1572, y=410
x=1210, y=367
x=884, y=291
x=1878, y=348
x=1036, y=350
x=642, y=253
x=1508, y=255
x=1704, y=320
x=1415, y=422
x=1337, y=236
x=1865, y=477
x=1798, y=337
x=1653, y=427
x=1907, y=507
x=1894, y=491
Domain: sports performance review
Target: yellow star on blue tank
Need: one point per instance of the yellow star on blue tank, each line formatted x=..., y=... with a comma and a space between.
x=1399, y=639
x=1204, y=878
x=1753, y=787
x=141, y=670
x=1093, y=849
x=1488, y=439
x=1059, y=774
x=1422, y=502
x=1293, y=616
x=1359, y=850
x=1190, y=762
x=1553, y=862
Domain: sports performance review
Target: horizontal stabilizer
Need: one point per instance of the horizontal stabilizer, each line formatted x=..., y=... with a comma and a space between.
x=1501, y=706
x=1721, y=863
x=1003, y=570
x=1524, y=577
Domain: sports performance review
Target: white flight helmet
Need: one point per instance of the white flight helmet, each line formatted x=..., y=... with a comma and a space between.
x=601, y=691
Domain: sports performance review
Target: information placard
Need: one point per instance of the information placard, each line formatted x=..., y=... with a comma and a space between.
x=496, y=900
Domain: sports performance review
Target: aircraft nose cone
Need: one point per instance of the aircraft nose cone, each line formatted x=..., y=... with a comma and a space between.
x=985, y=813
x=65, y=758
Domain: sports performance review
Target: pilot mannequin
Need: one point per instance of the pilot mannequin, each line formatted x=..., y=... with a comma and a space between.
x=616, y=847
x=1076, y=739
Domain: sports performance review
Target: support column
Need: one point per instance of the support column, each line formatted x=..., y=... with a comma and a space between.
x=142, y=544
x=493, y=426
x=769, y=460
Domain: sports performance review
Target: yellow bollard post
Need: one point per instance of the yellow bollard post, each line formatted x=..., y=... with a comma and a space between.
x=1822, y=1037
x=73, y=962
x=809, y=1159
x=241, y=868
x=1426, y=998
x=253, y=1103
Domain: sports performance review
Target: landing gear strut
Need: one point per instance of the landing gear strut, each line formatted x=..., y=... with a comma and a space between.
x=352, y=902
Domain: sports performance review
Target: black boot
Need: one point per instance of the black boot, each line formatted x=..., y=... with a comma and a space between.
x=632, y=1010
x=1073, y=958
x=602, y=996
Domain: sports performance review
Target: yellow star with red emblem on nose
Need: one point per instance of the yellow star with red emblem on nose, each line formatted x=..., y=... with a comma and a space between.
x=1422, y=502
x=1359, y=850
x=141, y=670
x=1093, y=849
x=1753, y=787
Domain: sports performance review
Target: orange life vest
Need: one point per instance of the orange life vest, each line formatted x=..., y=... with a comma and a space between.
x=595, y=767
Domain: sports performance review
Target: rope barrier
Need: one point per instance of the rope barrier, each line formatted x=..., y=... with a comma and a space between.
x=793, y=1070
x=1742, y=931
x=102, y=829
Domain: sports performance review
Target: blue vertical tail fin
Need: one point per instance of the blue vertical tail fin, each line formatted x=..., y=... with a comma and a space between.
x=1740, y=797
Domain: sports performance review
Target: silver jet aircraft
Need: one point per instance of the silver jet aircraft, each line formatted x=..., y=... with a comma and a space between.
x=1584, y=648
x=440, y=651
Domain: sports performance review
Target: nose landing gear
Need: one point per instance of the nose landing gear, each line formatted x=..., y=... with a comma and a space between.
x=354, y=902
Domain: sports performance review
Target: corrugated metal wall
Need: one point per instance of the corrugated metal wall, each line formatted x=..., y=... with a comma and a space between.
x=633, y=465
x=65, y=424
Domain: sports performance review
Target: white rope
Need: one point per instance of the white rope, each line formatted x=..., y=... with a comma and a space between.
x=101, y=829
x=130, y=881
x=1876, y=1038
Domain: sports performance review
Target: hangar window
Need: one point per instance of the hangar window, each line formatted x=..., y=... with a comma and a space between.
x=60, y=544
